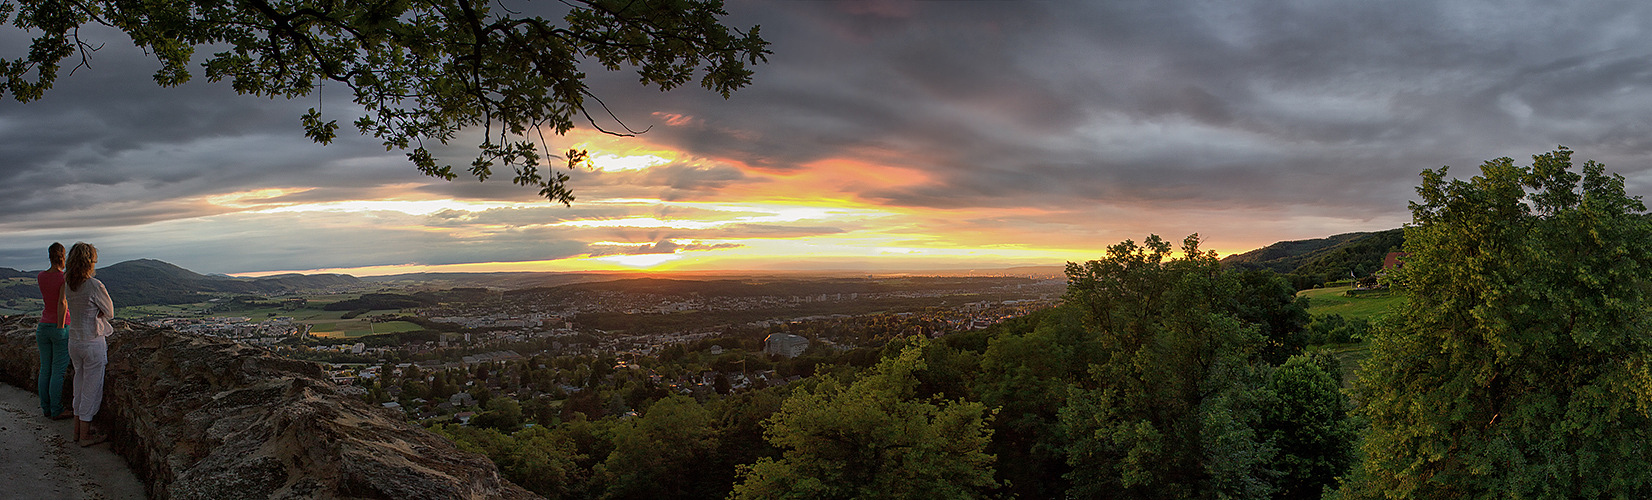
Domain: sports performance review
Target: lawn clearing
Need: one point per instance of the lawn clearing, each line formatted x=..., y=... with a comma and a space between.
x=1370, y=305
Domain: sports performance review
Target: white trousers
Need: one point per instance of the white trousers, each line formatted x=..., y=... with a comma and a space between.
x=89, y=358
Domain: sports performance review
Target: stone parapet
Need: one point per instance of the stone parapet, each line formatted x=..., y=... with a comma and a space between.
x=207, y=418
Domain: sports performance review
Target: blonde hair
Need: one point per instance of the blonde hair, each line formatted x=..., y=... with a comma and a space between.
x=83, y=258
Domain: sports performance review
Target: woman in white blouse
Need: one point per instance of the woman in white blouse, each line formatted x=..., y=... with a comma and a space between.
x=90, y=311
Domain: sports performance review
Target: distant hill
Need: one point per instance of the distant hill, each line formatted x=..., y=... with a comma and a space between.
x=148, y=281
x=1286, y=256
x=1326, y=258
x=505, y=280
x=297, y=282
x=381, y=301
x=17, y=290
x=1360, y=257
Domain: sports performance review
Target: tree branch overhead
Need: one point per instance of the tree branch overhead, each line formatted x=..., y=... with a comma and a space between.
x=422, y=69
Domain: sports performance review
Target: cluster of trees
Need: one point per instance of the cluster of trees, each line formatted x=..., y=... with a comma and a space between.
x=1361, y=257
x=1155, y=377
x=1519, y=367
x=1311, y=263
x=384, y=301
x=1334, y=329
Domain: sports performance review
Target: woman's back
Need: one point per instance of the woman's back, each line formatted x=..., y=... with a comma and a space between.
x=90, y=310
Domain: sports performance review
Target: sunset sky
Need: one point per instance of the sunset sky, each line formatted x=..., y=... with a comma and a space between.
x=881, y=136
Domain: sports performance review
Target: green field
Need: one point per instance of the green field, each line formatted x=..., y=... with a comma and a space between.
x=1368, y=305
x=330, y=324
x=1350, y=356
x=323, y=323
x=19, y=306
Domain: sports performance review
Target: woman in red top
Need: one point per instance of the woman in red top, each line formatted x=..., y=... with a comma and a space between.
x=52, y=335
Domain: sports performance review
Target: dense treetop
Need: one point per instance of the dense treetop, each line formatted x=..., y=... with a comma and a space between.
x=1518, y=366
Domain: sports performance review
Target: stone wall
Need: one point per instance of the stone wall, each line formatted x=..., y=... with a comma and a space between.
x=200, y=417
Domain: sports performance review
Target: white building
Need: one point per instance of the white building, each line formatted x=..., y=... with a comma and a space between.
x=785, y=344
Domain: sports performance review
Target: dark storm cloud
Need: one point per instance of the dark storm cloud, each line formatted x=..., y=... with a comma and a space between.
x=273, y=242
x=106, y=135
x=1240, y=104
x=1285, y=110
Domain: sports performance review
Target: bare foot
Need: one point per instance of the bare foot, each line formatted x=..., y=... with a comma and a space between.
x=92, y=439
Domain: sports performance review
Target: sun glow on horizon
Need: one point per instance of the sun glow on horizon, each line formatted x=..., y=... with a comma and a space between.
x=641, y=260
x=823, y=215
x=617, y=163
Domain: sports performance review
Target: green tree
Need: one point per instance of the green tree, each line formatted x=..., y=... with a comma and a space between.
x=722, y=384
x=1028, y=374
x=1307, y=422
x=546, y=462
x=440, y=389
x=1518, y=366
x=1334, y=329
x=496, y=445
x=503, y=414
x=415, y=389
x=1267, y=300
x=666, y=453
x=739, y=423
x=875, y=439
x=422, y=70
x=1169, y=405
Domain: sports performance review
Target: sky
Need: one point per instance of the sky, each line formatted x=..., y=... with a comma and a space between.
x=881, y=136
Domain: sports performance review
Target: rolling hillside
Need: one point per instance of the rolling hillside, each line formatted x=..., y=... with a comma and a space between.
x=1325, y=259
x=148, y=281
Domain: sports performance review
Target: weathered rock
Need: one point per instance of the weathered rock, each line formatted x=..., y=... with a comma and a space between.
x=200, y=417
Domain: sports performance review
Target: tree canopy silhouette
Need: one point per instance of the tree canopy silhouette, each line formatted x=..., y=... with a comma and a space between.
x=422, y=70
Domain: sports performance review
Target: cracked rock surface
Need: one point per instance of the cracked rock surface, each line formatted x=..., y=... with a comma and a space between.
x=206, y=418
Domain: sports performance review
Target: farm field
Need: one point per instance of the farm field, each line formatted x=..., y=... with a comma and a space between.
x=1368, y=305
x=332, y=324
x=323, y=323
x=19, y=305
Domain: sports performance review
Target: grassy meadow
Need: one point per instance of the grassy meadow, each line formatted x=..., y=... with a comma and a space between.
x=1367, y=304
x=19, y=306
x=1370, y=305
x=322, y=323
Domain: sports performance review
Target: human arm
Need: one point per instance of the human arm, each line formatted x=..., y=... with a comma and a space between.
x=100, y=298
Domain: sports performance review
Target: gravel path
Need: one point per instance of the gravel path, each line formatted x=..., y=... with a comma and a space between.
x=39, y=459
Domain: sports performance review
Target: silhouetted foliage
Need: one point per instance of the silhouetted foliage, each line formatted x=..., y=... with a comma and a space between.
x=419, y=70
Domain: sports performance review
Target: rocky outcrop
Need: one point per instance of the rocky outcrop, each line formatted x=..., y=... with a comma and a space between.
x=199, y=417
